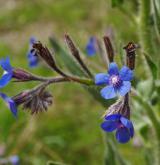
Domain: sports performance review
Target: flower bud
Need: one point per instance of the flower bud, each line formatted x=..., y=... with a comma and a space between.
x=22, y=75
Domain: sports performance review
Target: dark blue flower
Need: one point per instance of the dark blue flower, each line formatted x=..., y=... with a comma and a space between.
x=116, y=81
x=31, y=55
x=91, y=46
x=124, y=127
x=8, y=72
x=10, y=103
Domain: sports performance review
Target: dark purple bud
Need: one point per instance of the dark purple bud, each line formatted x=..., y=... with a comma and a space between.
x=46, y=55
x=22, y=97
x=22, y=75
x=76, y=55
x=130, y=49
x=109, y=48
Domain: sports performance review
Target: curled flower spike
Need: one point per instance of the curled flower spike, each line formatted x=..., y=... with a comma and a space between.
x=31, y=55
x=8, y=72
x=91, y=46
x=122, y=125
x=116, y=81
x=10, y=103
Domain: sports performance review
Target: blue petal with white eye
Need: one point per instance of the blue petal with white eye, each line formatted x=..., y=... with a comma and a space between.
x=10, y=103
x=101, y=79
x=122, y=135
x=108, y=92
x=128, y=124
x=109, y=125
x=126, y=74
x=113, y=69
x=8, y=73
x=125, y=88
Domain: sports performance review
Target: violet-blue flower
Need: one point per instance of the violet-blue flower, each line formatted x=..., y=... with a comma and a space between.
x=31, y=55
x=10, y=103
x=91, y=46
x=14, y=160
x=118, y=82
x=123, y=126
x=8, y=72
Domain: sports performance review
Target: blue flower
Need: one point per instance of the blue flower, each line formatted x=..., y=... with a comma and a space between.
x=116, y=81
x=91, y=46
x=10, y=103
x=124, y=127
x=14, y=160
x=8, y=72
x=31, y=55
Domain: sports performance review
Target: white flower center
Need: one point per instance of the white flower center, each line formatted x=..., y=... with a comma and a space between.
x=5, y=72
x=114, y=79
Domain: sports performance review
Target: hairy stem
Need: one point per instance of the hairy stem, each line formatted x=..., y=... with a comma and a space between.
x=145, y=26
x=156, y=125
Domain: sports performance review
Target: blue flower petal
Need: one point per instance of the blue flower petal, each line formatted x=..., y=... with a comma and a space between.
x=126, y=74
x=108, y=92
x=10, y=103
x=5, y=64
x=32, y=59
x=113, y=117
x=32, y=40
x=91, y=47
x=113, y=69
x=122, y=135
x=101, y=79
x=125, y=88
x=109, y=126
x=13, y=107
x=5, y=79
x=128, y=124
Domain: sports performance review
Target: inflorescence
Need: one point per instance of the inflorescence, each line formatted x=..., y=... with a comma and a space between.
x=115, y=83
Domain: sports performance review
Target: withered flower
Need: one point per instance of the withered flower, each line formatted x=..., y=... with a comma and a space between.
x=34, y=100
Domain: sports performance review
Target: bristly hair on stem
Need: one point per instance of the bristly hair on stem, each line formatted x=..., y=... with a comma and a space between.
x=76, y=55
x=109, y=48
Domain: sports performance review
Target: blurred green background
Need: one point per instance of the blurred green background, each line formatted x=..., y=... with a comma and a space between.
x=70, y=131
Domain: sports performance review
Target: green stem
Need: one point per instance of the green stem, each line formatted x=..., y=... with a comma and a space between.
x=145, y=26
x=156, y=124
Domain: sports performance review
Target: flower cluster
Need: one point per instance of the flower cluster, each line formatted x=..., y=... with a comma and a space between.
x=117, y=117
x=114, y=83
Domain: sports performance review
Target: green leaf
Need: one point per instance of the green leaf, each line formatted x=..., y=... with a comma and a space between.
x=116, y=3
x=68, y=61
x=144, y=130
x=143, y=85
x=152, y=66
